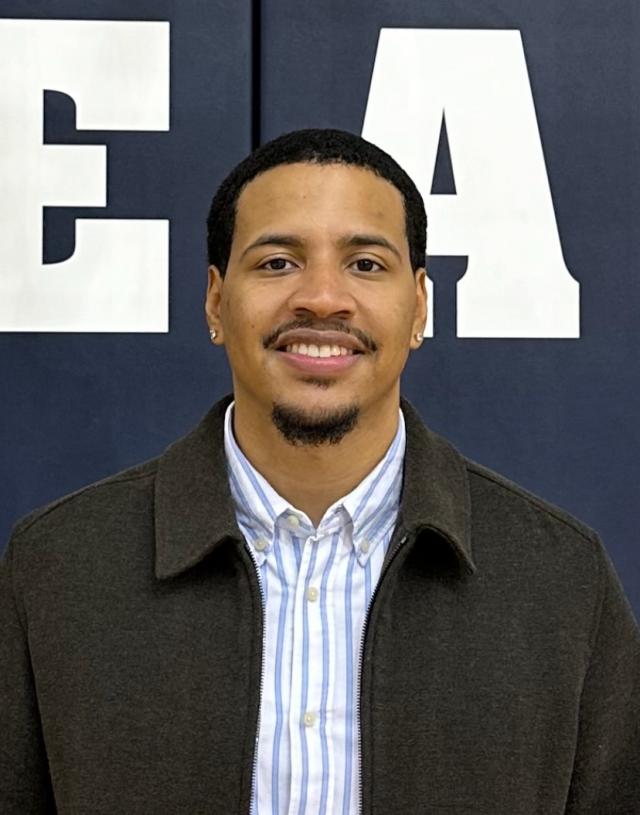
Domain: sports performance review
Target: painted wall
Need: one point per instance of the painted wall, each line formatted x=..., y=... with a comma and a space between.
x=519, y=123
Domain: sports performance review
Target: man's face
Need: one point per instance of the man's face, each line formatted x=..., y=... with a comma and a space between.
x=319, y=262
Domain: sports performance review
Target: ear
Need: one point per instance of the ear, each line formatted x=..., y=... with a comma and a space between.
x=420, y=318
x=213, y=301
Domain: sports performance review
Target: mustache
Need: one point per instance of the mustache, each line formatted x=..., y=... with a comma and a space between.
x=320, y=325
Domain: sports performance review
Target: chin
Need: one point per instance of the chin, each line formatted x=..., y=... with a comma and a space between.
x=307, y=424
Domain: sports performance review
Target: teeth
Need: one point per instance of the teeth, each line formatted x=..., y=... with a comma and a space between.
x=318, y=350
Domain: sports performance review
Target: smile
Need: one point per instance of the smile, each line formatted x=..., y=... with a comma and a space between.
x=318, y=350
x=319, y=359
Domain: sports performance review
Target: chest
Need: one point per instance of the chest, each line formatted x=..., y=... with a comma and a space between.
x=151, y=693
x=316, y=592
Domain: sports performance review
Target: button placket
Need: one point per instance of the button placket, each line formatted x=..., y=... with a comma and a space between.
x=300, y=706
x=312, y=719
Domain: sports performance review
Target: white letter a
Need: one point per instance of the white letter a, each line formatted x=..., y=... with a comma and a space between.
x=502, y=217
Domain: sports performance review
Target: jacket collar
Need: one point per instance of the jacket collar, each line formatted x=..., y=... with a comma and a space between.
x=194, y=510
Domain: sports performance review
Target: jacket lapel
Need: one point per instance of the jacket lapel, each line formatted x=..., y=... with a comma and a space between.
x=194, y=509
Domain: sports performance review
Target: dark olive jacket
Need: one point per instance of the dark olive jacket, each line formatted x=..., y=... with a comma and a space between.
x=501, y=671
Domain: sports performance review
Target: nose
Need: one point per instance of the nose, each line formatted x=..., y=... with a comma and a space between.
x=323, y=289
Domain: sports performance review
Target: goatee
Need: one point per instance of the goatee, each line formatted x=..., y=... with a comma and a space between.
x=327, y=427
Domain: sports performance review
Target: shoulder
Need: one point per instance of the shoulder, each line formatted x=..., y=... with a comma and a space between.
x=113, y=495
x=519, y=528
x=487, y=485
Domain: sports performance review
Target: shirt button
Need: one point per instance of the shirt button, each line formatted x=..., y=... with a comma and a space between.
x=364, y=546
x=294, y=520
x=309, y=718
x=261, y=544
x=312, y=594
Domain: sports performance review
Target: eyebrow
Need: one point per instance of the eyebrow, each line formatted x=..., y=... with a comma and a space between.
x=345, y=242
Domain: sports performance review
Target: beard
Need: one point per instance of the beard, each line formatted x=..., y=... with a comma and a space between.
x=305, y=428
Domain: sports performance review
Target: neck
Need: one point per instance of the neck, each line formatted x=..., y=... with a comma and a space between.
x=313, y=478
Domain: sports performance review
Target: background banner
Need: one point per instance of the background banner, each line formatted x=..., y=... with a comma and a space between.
x=518, y=122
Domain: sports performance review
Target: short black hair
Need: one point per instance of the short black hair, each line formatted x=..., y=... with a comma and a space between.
x=313, y=146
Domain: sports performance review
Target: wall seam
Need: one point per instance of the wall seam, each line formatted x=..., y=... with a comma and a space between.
x=256, y=73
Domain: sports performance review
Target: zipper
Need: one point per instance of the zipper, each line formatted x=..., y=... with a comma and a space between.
x=394, y=551
x=262, y=660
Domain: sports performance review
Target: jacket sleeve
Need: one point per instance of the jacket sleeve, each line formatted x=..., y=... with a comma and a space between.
x=24, y=777
x=606, y=775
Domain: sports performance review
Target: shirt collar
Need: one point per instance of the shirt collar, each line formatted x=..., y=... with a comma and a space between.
x=370, y=508
x=195, y=512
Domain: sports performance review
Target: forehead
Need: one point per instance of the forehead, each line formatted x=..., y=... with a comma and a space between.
x=319, y=198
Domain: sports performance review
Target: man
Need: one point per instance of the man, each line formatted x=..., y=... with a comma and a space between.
x=312, y=603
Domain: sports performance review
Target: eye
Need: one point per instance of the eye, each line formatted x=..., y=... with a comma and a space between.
x=367, y=265
x=275, y=264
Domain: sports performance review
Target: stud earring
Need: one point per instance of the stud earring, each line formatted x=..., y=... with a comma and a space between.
x=419, y=336
x=213, y=334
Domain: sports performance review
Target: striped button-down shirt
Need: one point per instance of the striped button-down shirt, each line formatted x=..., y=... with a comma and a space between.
x=316, y=586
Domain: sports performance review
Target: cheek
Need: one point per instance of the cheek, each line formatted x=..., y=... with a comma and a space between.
x=398, y=322
x=244, y=322
x=235, y=313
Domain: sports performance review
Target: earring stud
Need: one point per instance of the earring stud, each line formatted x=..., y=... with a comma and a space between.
x=213, y=334
x=419, y=336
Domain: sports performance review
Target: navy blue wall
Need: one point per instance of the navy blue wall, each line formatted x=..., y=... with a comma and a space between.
x=558, y=416
x=76, y=407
